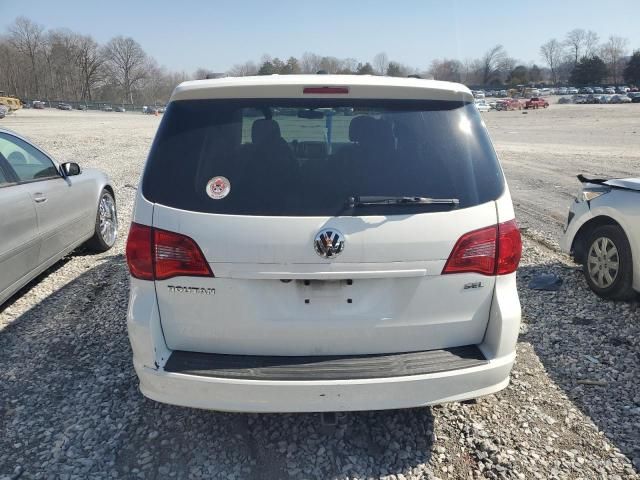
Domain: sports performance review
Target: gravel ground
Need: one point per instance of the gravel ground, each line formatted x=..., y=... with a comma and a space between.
x=70, y=406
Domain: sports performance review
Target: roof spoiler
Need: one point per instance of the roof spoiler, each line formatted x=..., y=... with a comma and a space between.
x=596, y=181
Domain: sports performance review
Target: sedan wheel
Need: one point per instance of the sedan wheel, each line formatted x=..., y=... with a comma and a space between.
x=106, y=228
x=107, y=219
x=603, y=262
x=608, y=267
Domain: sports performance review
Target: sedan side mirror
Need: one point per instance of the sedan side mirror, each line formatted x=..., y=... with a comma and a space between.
x=70, y=169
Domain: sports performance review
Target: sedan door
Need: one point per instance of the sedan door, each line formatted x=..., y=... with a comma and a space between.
x=65, y=216
x=19, y=240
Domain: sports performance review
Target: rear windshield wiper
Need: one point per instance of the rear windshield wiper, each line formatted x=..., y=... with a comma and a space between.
x=365, y=201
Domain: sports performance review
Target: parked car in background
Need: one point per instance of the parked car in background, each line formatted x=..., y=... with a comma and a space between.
x=619, y=98
x=511, y=104
x=120, y=109
x=622, y=89
x=81, y=106
x=64, y=106
x=572, y=91
x=603, y=234
x=278, y=246
x=4, y=110
x=151, y=110
x=634, y=96
x=536, y=102
x=39, y=105
x=47, y=209
x=605, y=98
x=565, y=100
x=562, y=91
x=610, y=90
x=107, y=108
x=482, y=105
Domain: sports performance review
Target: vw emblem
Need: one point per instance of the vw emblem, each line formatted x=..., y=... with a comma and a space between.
x=329, y=243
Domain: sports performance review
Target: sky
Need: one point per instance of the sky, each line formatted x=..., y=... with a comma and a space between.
x=184, y=35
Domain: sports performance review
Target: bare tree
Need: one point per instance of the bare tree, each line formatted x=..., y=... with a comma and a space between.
x=127, y=64
x=90, y=61
x=330, y=64
x=552, y=52
x=575, y=42
x=381, y=63
x=591, y=40
x=243, y=69
x=26, y=37
x=446, y=69
x=12, y=76
x=310, y=62
x=613, y=52
x=492, y=62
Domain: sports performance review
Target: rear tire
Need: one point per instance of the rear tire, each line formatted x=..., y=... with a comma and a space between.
x=607, y=263
x=106, y=227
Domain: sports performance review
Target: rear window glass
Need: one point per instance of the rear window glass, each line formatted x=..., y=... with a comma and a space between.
x=299, y=157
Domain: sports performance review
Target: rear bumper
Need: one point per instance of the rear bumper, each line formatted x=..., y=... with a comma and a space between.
x=150, y=357
x=320, y=396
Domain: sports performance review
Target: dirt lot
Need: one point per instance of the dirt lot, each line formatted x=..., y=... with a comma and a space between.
x=70, y=408
x=542, y=151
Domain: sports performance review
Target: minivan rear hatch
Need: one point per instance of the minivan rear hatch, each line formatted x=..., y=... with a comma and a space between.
x=326, y=223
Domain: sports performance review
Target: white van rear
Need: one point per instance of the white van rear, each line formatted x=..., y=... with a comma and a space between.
x=322, y=243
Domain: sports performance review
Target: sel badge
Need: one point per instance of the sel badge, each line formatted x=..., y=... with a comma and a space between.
x=218, y=187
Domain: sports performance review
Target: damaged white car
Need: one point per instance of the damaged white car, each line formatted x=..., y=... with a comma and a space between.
x=603, y=234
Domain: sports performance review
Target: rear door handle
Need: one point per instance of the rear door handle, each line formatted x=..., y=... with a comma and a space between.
x=39, y=198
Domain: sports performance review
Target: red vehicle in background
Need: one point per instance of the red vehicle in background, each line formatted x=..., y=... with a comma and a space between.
x=536, y=102
x=508, y=104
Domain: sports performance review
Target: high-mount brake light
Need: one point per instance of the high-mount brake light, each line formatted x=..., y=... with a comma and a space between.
x=154, y=254
x=493, y=250
x=326, y=90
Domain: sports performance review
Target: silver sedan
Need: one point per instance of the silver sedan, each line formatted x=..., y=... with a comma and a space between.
x=603, y=233
x=47, y=209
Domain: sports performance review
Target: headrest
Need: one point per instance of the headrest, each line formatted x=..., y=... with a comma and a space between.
x=361, y=127
x=264, y=130
x=371, y=132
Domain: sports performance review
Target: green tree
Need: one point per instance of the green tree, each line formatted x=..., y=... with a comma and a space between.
x=365, y=69
x=588, y=70
x=394, y=70
x=518, y=76
x=535, y=74
x=632, y=70
x=291, y=67
x=267, y=68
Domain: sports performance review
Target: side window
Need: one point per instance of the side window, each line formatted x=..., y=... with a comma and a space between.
x=27, y=162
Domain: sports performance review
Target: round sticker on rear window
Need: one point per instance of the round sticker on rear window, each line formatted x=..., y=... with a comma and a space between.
x=218, y=187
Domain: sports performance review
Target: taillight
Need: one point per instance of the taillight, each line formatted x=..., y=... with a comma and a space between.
x=154, y=254
x=509, y=248
x=178, y=255
x=139, y=255
x=492, y=250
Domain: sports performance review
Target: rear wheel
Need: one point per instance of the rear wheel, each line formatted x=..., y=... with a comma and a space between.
x=106, y=228
x=608, y=266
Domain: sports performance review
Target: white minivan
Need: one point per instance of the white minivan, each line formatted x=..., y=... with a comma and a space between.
x=322, y=243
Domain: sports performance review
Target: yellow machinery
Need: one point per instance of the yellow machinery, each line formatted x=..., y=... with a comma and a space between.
x=11, y=102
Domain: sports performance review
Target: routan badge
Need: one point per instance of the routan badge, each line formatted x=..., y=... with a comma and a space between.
x=218, y=187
